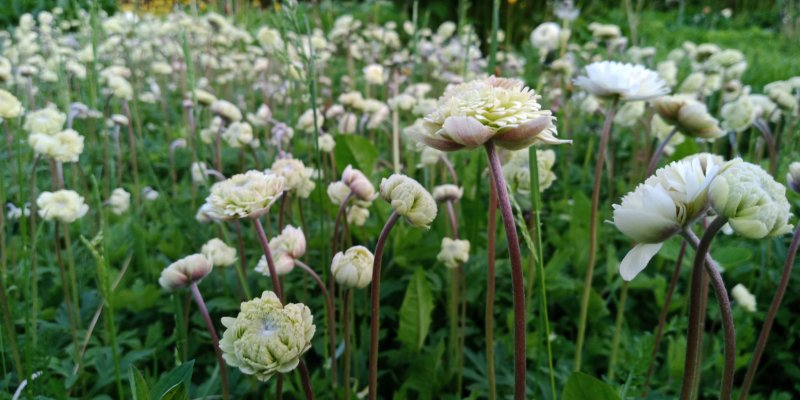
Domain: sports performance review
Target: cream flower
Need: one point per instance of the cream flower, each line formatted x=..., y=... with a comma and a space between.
x=374, y=74
x=611, y=79
x=297, y=177
x=10, y=107
x=629, y=114
x=244, y=195
x=353, y=268
x=238, y=134
x=306, y=121
x=755, y=205
x=793, y=176
x=497, y=109
x=267, y=338
x=227, y=110
x=738, y=115
x=337, y=192
x=454, y=252
x=198, y=171
x=65, y=146
x=326, y=143
x=546, y=36
x=409, y=199
x=358, y=183
x=689, y=116
x=672, y=199
x=744, y=297
x=48, y=121
x=518, y=174
x=64, y=205
x=447, y=192
x=285, y=248
x=185, y=271
x=220, y=254
x=357, y=215
x=119, y=201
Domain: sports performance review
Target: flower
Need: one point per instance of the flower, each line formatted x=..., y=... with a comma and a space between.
x=626, y=82
x=454, y=252
x=353, y=268
x=198, y=170
x=358, y=183
x=738, y=115
x=546, y=36
x=498, y=109
x=65, y=146
x=629, y=114
x=266, y=337
x=744, y=297
x=238, y=134
x=306, y=121
x=447, y=192
x=357, y=215
x=326, y=143
x=63, y=205
x=409, y=199
x=149, y=193
x=187, y=270
x=285, y=248
x=119, y=201
x=244, y=195
x=48, y=121
x=667, y=202
x=755, y=205
x=374, y=74
x=689, y=116
x=297, y=177
x=793, y=177
x=517, y=171
x=338, y=191
x=220, y=254
x=10, y=107
x=227, y=110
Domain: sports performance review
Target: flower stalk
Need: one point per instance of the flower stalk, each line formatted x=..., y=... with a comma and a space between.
x=490, y=287
x=329, y=311
x=273, y=274
x=656, y=157
x=198, y=298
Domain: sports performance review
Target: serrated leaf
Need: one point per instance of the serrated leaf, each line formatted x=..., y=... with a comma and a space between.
x=581, y=386
x=138, y=384
x=179, y=375
x=415, y=312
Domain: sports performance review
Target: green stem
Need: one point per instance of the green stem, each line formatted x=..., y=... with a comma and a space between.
x=493, y=39
x=617, y=330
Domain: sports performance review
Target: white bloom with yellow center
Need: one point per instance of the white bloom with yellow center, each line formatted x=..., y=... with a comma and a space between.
x=63, y=205
x=626, y=82
x=454, y=252
x=243, y=195
x=267, y=338
x=353, y=268
x=220, y=254
x=187, y=270
x=409, y=199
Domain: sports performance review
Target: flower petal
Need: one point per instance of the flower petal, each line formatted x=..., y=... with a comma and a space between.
x=522, y=136
x=636, y=259
x=467, y=131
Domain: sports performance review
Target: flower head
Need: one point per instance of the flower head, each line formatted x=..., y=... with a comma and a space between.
x=220, y=254
x=64, y=205
x=353, y=268
x=546, y=36
x=755, y=205
x=185, y=271
x=793, y=177
x=119, y=201
x=454, y=252
x=65, y=146
x=227, y=110
x=611, y=79
x=48, y=121
x=267, y=337
x=10, y=107
x=285, y=248
x=297, y=177
x=358, y=183
x=409, y=199
x=689, y=116
x=498, y=109
x=243, y=195
x=447, y=192
x=744, y=297
x=518, y=174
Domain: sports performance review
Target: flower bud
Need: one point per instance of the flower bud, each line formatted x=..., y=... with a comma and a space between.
x=353, y=268
x=267, y=337
x=793, y=177
x=226, y=109
x=447, y=192
x=749, y=197
x=185, y=271
x=409, y=199
x=220, y=254
x=454, y=252
x=358, y=183
x=285, y=248
x=744, y=297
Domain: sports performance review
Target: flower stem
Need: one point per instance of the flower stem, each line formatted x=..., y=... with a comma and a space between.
x=66, y=288
x=773, y=311
x=262, y=237
x=242, y=271
x=10, y=331
x=198, y=298
x=339, y=215
x=517, y=277
x=376, y=305
x=651, y=167
x=623, y=297
x=662, y=318
x=587, y=282
x=134, y=160
x=455, y=336
x=306, y=379
x=489, y=317
x=348, y=297
x=702, y=257
x=763, y=128
x=330, y=312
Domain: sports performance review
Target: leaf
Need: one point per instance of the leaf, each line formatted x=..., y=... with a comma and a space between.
x=584, y=387
x=178, y=392
x=138, y=384
x=355, y=150
x=415, y=312
x=179, y=375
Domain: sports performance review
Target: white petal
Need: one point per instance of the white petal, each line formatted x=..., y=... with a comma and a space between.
x=636, y=259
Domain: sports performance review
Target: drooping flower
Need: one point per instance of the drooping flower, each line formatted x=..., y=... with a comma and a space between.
x=447, y=192
x=754, y=203
x=353, y=268
x=220, y=254
x=285, y=248
x=409, y=199
x=63, y=205
x=267, y=338
x=227, y=110
x=497, y=109
x=243, y=195
x=454, y=252
x=689, y=116
x=793, y=176
x=626, y=82
x=358, y=183
x=185, y=271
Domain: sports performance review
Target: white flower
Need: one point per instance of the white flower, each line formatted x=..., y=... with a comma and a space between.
x=285, y=248
x=744, y=297
x=409, y=199
x=306, y=121
x=267, y=338
x=670, y=200
x=64, y=205
x=353, y=268
x=611, y=79
x=65, y=146
x=243, y=195
x=198, y=170
x=629, y=114
x=454, y=252
x=185, y=271
x=220, y=254
x=297, y=177
x=517, y=171
x=357, y=215
x=447, y=192
x=497, y=109
x=793, y=176
x=374, y=74
x=227, y=110
x=358, y=183
x=10, y=107
x=238, y=134
x=755, y=205
x=738, y=115
x=546, y=36
x=149, y=193
x=119, y=201
x=48, y=121
x=326, y=143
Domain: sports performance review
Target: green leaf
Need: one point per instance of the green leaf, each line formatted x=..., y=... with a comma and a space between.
x=138, y=384
x=178, y=392
x=355, y=150
x=584, y=387
x=415, y=312
x=179, y=375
